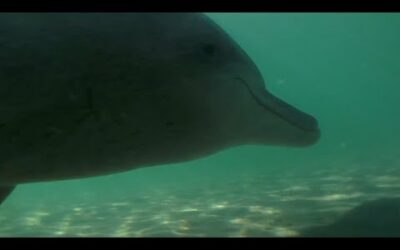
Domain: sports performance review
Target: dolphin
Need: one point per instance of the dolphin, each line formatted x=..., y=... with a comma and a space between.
x=89, y=94
x=372, y=218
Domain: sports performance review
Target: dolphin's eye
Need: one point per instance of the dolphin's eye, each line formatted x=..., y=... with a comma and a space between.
x=209, y=49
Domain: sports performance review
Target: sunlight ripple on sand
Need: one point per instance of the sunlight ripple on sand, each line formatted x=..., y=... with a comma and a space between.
x=220, y=205
x=297, y=188
x=284, y=232
x=120, y=204
x=64, y=226
x=36, y=218
x=337, y=178
x=124, y=230
x=386, y=181
x=184, y=225
x=77, y=210
x=336, y=197
x=239, y=221
x=264, y=210
x=386, y=178
x=189, y=209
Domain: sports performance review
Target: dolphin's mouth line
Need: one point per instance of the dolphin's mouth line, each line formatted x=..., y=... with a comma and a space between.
x=297, y=124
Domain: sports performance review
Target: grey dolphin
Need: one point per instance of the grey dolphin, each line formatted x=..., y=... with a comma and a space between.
x=372, y=218
x=86, y=94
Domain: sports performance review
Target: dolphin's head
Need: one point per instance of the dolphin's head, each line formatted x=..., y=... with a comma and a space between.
x=228, y=84
x=257, y=116
x=215, y=88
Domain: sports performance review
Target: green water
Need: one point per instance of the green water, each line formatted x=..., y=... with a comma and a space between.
x=343, y=69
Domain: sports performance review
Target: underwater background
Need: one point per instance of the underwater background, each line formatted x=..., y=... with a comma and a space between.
x=342, y=68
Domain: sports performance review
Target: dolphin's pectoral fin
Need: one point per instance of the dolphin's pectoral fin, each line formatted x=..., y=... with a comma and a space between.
x=5, y=191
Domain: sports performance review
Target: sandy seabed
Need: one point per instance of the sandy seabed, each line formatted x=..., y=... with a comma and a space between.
x=258, y=206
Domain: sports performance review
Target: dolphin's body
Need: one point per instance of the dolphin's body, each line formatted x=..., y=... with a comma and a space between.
x=372, y=218
x=91, y=94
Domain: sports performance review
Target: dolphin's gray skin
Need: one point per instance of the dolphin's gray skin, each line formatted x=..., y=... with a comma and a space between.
x=92, y=94
x=376, y=218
